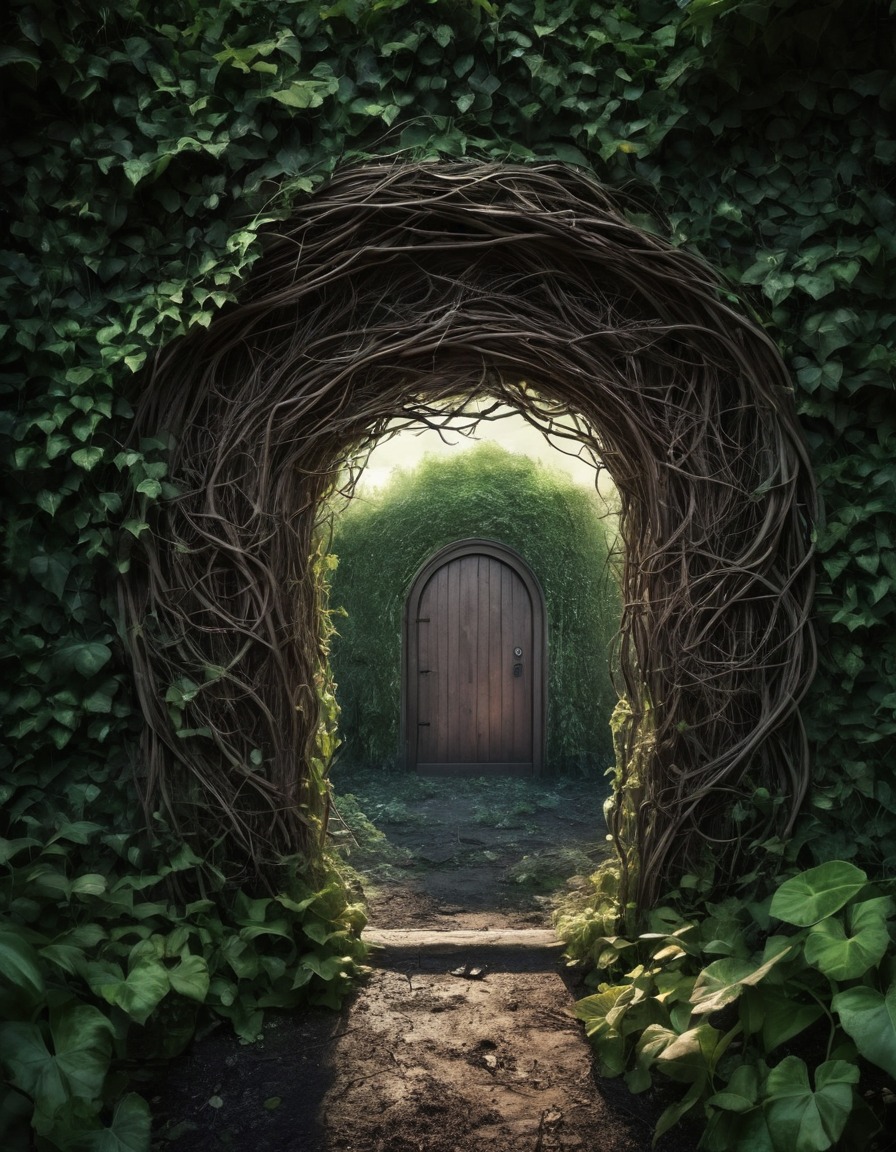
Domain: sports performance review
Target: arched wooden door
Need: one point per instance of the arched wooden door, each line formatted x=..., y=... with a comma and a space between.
x=474, y=645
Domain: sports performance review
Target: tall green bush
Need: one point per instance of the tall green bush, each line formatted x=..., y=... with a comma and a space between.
x=563, y=532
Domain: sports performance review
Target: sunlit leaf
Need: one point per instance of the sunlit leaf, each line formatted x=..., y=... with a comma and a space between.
x=846, y=957
x=190, y=977
x=138, y=994
x=722, y=981
x=811, y=896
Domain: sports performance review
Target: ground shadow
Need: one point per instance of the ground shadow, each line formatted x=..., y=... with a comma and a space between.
x=464, y=1036
x=467, y=852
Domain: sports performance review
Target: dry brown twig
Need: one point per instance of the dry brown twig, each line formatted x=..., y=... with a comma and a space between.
x=396, y=289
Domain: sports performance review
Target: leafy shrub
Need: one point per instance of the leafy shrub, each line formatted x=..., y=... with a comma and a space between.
x=772, y=1013
x=557, y=527
x=103, y=976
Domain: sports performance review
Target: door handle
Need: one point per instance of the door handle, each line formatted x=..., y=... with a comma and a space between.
x=517, y=669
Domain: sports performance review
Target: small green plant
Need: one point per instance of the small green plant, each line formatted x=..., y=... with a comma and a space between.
x=510, y=815
x=546, y=871
x=368, y=855
x=769, y=1012
x=396, y=812
x=103, y=975
x=356, y=822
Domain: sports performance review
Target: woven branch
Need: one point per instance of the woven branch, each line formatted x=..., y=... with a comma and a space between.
x=394, y=290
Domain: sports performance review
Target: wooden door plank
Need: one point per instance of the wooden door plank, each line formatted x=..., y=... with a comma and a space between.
x=507, y=643
x=467, y=622
x=521, y=747
x=439, y=674
x=490, y=768
x=482, y=649
x=495, y=681
x=452, y=743
x=425, y=708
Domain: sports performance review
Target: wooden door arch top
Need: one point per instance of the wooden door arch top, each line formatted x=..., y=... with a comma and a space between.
x=474, y=663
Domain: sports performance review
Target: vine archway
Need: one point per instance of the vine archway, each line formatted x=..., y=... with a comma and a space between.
x=394, y=290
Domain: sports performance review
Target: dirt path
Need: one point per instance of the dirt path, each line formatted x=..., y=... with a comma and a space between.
x=466, y=1045
x=463, y=1038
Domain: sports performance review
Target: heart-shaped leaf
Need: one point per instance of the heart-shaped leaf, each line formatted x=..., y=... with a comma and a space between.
x=805, y=899
x=146, y=984
x=723, y=981
x=190, y=977
x=81, y=1042
x=128, y=1132
x=21, y=976
x=803, y=1120
x=869, y=1017
x=842, y=957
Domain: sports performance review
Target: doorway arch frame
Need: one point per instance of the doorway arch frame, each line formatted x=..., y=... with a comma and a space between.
x=475, y=546
x=392, y=289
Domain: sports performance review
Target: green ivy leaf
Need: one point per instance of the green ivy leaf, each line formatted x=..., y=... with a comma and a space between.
x=87, y=458
x=76, y=831
x=190, y=977
x=52, y=571
x=846, y=957
x=79, y=375
x=128, y=1132
x=869, y=1018
x=805, y=899
x=303, y=94
x=81, y=1039
x=803, y=1120
x=147, y=984
x=86, y=657
x=89, y=884
x=21, y=975
x=49, y=501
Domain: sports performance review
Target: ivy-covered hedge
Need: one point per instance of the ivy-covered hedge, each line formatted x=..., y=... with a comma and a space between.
x=147, y=144
x=562, y=531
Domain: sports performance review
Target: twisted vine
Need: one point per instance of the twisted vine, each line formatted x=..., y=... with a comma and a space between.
x=396, y=289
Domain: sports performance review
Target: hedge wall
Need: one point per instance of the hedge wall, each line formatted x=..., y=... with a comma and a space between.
x=146, y=146
x=561, y=530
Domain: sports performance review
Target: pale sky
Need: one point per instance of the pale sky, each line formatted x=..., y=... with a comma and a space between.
x=513, y=433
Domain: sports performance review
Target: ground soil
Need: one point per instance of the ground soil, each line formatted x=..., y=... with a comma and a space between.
x=463, y=1038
